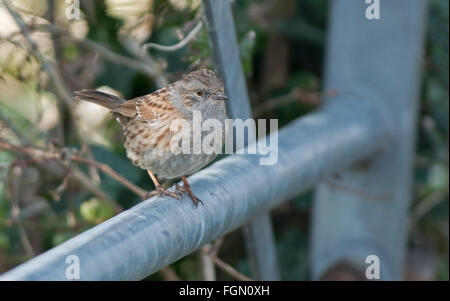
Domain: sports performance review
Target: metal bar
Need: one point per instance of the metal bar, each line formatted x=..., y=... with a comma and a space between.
x=258, y=232
x=161, y=230
x=260, y=245
x=222, y=37
x=208, y=267
x=363, y=211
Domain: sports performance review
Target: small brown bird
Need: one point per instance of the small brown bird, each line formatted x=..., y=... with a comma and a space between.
x=146, y=124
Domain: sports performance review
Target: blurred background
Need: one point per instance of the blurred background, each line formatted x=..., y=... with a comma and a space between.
x=46, y=198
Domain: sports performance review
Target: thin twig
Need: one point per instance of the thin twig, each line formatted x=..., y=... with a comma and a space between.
x=117, y=58
x=357, y=191
x=47, y=65
x=426, y=205
x=207, y=265
x=75, y=173
x=52, y=224
x=56, y=193
x=307, y=97
x=90, y=186
x=43, y=154
x=211, y=251
x=134, y=48
x=60, y=87
x=178, y=45
x=8, y=124
x=144, y=64
x=112, y=173
x=15, y=213
x=38, y=206
x=169, y=274
x=229, y=269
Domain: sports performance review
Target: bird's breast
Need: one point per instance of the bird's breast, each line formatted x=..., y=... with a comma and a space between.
x=148, y=145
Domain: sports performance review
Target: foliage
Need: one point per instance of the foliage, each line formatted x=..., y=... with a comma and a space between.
x=282, y=46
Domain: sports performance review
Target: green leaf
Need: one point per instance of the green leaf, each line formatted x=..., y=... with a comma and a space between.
x=96, y=211
x=4, y=241
x=437, y=177
x=59, y=238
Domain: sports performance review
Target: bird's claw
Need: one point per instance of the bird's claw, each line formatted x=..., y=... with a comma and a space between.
x=161, y=191
x=181, y=189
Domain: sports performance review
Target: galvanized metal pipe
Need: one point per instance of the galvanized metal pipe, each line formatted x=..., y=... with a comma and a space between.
x=364, y=212
x=258, y=234
x=161, y=230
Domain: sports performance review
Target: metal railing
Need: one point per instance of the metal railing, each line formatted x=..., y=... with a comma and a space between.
x=380, y=60
x=373, y=123
x=258, y=232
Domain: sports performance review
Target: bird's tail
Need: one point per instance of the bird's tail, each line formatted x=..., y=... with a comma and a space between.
x=101, y=98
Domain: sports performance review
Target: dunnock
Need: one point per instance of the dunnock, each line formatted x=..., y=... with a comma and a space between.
x=146, y=124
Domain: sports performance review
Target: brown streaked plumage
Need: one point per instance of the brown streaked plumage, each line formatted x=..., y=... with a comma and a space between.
x=146, y=124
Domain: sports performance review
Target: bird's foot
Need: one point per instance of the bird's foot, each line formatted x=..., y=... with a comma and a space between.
x=186, y=188
x=162, y=191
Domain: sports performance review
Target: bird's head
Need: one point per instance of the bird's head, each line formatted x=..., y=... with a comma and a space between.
x=201, y=90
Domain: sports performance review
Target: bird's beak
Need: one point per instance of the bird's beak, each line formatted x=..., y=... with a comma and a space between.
x=220, y=96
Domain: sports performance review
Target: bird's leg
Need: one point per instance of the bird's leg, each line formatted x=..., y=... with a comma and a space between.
x=187, y=188
x=159, y=189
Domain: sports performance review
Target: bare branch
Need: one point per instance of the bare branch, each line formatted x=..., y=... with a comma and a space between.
x=144, y=64
x=207, y=265
x=8, y=124
x=306, y=97
x=104, y=52
x=48, y=155
x=112, y=173
x=426, y=205
x=15, y=214
x=169, y=274
x=229, y=269
x=134, y=48
x=90, y=186
x=211, y=251
x=47, y=65
x=356, y=191
x=56, y=193
x=178, y=45
x=60, y=87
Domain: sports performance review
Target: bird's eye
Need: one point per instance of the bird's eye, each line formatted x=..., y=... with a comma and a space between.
x=199, y=92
